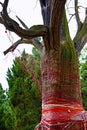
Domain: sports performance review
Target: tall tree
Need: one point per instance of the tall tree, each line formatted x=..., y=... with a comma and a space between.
x=7, y=116
x=83, y=75
x=61, y=96
x=23, y=94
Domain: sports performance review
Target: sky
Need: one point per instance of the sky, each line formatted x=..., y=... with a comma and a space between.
x=29, y=11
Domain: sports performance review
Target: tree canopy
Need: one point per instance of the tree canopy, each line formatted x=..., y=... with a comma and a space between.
x=83, y=75
x=24, y=95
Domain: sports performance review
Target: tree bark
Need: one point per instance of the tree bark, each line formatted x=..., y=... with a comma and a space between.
x=61, y=91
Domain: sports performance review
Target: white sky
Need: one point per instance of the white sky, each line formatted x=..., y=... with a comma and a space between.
x=29, y=12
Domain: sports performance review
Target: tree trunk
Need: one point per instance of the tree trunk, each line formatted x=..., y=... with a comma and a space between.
x=61, y=97
x=61, y=90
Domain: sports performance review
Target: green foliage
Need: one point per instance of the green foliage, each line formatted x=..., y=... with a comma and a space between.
x=23, y=93
x=9, y=119
x=7, y=116
x=83, y=74
x=2, y=95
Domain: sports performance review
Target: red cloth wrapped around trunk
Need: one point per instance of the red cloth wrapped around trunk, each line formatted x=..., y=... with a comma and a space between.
x=63, y=115
x=61, y=95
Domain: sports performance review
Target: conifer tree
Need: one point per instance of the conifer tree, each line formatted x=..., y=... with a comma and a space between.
x=23, y=93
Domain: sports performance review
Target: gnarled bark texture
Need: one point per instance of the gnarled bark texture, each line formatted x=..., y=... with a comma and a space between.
x=61, y=97
x=61, y=90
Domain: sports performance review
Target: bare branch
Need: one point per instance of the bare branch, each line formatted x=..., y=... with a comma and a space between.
x=77, y=14
x=23, y=24
x=13, y=46
x=1, y=4
x=33, y=41
x=81, y=37
x=45, y=9
x=72, y=15
x=1, y=21
x=11, y=25
x=86, y=12
x=34, y=31
x=28, y=35
x=80, y=46
x=5, y=6
x=37, y=44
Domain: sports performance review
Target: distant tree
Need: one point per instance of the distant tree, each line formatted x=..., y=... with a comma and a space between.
x=23, y=93
x=2, y=100
x=83, y=74
x=2, y=95
x=7, y=116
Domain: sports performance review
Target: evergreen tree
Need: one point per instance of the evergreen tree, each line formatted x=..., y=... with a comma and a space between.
x=24, y=94
x=2, y=95
x=83, y=74
x=7, y=116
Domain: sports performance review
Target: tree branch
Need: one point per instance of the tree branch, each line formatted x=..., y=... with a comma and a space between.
x=81, y=37
x=34, y=31
x=45, y=9
x=29, y=34
x=33, y=41
x=37, y=44
x=1, y=20
x=13, y=47
x=23, y=24
x=83, y=42
x=5, y=6
x=77, y=14
x=11, y=25
x=57, y=9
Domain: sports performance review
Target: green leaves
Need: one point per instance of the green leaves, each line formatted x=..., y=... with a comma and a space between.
x=83, y=74
x=20, y=107
x=23, y=93
x=7, y=116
